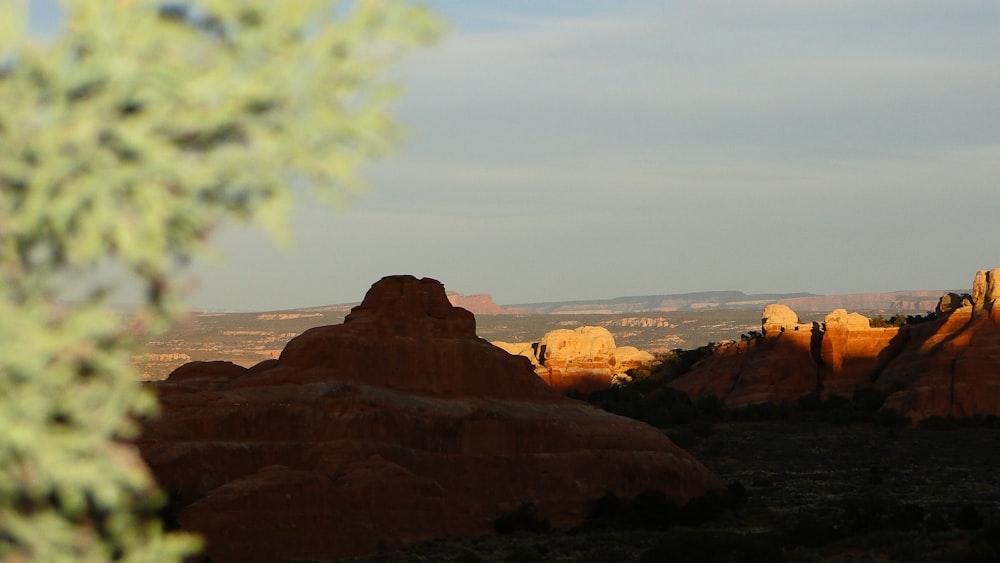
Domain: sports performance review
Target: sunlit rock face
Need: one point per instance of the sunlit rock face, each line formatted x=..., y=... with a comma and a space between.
x=396, y=426
x=851, y=352
x=584, y=359
x=946, y=367
x=951, y=367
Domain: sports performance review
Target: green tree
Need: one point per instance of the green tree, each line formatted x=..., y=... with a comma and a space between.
x=124, y=141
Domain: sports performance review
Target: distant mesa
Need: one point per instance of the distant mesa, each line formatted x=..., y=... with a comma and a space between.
x=481, y=304
x=582, y=360
x=397, y=426
x=948, y=366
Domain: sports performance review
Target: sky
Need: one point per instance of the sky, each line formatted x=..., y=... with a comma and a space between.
x=585, y=149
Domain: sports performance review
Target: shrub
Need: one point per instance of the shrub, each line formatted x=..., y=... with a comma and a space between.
x=871, y=512
x=705, y=508
x=604, y=555
x=683, y=546
x=809, y=402
x=608, y=512
x=891, y=419
x=524, y=555
x=710, y=407
x=811, y=532
x=736, y=495
x=936, y=522
x=468, y=557
x=762, y=411
x=942, y=423
x=653, y=510
x=968, y=518
x=868, y=399
x=523, y=519
x=649, y=510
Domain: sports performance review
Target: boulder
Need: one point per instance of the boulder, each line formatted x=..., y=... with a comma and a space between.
x=630, y=357
x=580, y=360
x=587, y=343
x=397, y=426
x=777, y=318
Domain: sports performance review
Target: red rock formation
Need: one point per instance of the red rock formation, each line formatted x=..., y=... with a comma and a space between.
x=951, y=368
x=948, y=367
x=851, y=352
x=778, y=368
x=396, y=426
x=480, y=304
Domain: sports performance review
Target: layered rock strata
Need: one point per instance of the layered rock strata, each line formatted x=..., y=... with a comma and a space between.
x=396, y=426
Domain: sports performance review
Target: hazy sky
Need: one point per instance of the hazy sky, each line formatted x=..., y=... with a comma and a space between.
x=579, y=149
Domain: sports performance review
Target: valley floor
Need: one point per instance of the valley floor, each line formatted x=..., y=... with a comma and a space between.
x=844, y=493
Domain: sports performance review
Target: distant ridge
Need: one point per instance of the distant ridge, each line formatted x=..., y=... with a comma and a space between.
x=909, y=302
x=914, y=301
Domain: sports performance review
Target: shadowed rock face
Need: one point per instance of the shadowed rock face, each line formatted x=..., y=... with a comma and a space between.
x=396, y=426
x=948, y=367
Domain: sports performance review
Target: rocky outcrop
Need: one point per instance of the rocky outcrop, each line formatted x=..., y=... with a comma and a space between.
x=396, y=426
x=985, y=291
x=952, y=367
x=946, y=367
x=583, y=360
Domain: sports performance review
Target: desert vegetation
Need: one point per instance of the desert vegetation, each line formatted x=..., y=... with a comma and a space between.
x=899, y=319
x=128, y=137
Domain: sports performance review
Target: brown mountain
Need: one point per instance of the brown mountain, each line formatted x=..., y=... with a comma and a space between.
x=396, y=426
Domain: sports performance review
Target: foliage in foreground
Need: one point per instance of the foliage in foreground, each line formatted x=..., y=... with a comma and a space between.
x=124, y=141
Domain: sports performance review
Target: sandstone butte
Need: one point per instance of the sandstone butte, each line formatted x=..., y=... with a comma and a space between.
x=584, y=359
x=946, y=367
x=480, y=304
x=396, y=426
